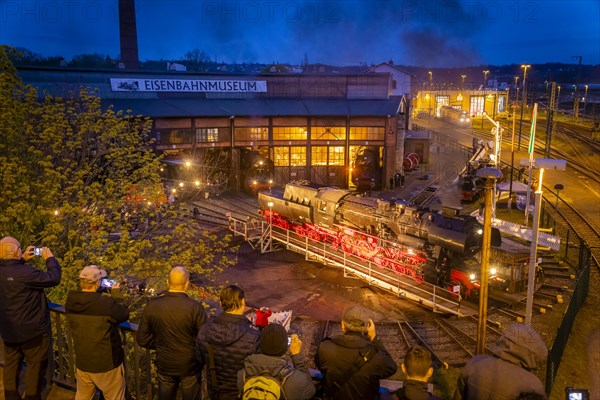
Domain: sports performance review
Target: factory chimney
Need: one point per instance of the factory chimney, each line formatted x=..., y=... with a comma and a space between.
x=128, y=34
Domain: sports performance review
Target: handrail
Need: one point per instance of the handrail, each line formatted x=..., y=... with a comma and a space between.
x=62, y=366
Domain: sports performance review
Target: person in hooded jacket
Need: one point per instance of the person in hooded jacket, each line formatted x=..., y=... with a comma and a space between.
x=94, y=318
x=296, y=381
x=224, y=342
x=353, y=363
x=506, y=373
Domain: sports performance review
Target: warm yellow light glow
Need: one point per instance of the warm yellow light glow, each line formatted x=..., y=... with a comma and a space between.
x=55, y=212
x=180, y=184
x=188, y=164
x=197, y=183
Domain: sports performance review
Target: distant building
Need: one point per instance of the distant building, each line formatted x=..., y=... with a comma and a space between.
x=402, y=83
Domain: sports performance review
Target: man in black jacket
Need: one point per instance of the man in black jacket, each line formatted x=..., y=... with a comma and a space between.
x=170, y=324
x=24, y=316
x=417, y=368
x=353, y=363
x=224, y=342
x=94, y=318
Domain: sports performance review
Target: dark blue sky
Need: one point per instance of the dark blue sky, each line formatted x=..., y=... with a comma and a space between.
x=425, y=33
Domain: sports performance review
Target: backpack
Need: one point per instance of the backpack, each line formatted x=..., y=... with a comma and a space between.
x=266, y=386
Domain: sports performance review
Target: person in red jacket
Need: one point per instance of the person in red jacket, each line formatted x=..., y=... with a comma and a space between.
x=262, y=317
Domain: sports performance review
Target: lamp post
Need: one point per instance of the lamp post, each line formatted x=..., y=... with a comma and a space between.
x=462, y=83
x=523, y=101
x=517, y=88
x=540, y=163
x=270, y=226
x=585, y=99
x=430, y=79
x=512, y=156
x=558, y=98
x=485, y=74
x=490, y=175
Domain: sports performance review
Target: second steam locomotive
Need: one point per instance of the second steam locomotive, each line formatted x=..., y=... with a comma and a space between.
x=407, y=239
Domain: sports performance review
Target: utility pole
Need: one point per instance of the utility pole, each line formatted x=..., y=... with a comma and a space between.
x=576, y=99
x=523, y=101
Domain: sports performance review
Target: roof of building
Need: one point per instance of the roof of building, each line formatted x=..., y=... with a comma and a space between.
x=172, y=108
x=395, y=67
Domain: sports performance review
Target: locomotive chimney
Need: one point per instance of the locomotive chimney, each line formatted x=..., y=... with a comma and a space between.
x=128, y=34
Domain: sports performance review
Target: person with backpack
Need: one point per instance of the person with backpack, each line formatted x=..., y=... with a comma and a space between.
x=417, y=368
x=353, y=363
x=270, y=376
x=224, y=342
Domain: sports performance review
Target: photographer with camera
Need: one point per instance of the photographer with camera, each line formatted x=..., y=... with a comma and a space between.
x=24, y=315
x=94, y=318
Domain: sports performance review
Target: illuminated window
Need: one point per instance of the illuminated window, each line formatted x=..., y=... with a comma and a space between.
x=442, y=100
x=286, y=156
x=251, y=134
x=476, y=105
x=367, y=133
x=327, y=155
x=319, y=155
x=289, y=133
x=501, y=104
x=336, y=155
x=328, y=133
x=207, y=135
x=298, y=156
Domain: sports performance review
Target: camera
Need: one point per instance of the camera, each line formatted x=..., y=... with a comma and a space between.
x=576, y=394
x=107, y=282
x=37, y=251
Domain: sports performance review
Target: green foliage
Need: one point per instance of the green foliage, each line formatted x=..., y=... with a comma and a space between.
x=84, y=181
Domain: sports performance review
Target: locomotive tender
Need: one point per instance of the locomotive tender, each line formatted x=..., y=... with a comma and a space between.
x=454, y=115
x=408, y=239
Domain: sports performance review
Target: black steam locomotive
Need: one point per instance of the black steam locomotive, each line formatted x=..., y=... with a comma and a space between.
x=454, y=115
x=256, y=171
x=366, y=169
x=410, y=240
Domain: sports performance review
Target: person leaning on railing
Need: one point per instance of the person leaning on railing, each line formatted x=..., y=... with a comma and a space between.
x=93, y=318
x=24, y=316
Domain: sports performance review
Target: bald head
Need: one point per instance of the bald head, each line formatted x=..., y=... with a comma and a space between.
x=10, y=248
x=179, y=279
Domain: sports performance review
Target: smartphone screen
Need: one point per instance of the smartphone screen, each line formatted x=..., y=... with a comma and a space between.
x=37, y=251
x=106, y=282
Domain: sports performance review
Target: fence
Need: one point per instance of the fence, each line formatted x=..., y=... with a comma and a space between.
x=62, y=365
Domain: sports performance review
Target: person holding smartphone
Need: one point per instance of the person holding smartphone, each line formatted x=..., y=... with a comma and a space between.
x=99, y=357
x=24, y=315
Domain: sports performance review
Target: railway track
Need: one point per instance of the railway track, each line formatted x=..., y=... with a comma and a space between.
x=451, y=341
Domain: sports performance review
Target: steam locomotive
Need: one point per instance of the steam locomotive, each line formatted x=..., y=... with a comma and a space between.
x=454, y=115
x=256, y=171
x=366, y=169
x=407, y=239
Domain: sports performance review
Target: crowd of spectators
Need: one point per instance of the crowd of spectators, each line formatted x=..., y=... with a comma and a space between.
x=240, y=361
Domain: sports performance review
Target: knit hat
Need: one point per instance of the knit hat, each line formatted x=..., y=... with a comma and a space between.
x=90, y=274
x=356, y=318
x=274, y=340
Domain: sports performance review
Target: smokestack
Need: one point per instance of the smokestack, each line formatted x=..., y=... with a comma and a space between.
x=128, y=34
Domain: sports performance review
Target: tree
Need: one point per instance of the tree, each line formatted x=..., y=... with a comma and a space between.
x=85, y=182
x=196, y=60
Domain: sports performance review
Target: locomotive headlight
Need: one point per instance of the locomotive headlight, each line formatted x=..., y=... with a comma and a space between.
x=493, y=271
x=472, y=277
x=479, y=231
x=270, y=181
x=254, y=182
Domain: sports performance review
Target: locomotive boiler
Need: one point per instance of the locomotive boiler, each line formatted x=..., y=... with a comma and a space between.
x=366, y=169
x=256, y=171
x=408, y=239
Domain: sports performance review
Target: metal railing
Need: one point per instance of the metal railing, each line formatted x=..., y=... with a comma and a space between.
x=138, y=371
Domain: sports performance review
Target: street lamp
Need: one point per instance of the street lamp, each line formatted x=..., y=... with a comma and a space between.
x=485, y=74
x=490, y=175
x=558, y=99
x=541, y=163
x=585, y=99
x=517, y=88
x=462, y=84
x=430, y=78
x=523, y=101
